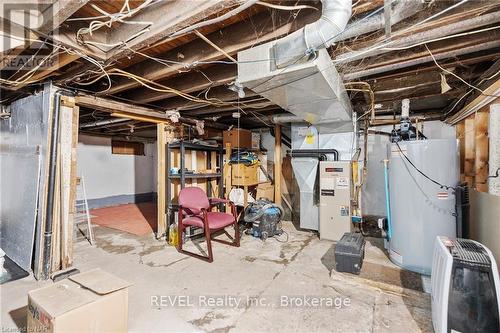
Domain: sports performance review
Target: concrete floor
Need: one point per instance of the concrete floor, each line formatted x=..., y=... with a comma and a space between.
x=262, y=276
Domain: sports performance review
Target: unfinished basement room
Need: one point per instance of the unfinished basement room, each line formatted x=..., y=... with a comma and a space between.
x=250, y=166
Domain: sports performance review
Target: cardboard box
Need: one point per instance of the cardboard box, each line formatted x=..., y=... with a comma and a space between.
x=93, y=301
x=237, y=138
x=265, y=190
x=244, y=175
x=255, y=140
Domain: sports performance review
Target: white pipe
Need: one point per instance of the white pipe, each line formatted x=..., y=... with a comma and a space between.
x=316, y=35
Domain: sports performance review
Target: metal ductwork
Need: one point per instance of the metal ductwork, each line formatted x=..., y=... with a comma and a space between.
x=297, y=73
x=318, y=35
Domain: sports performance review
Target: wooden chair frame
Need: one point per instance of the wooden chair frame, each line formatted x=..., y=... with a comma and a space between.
x=208, y=232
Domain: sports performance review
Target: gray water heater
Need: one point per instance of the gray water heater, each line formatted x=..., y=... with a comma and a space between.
x=420, y=209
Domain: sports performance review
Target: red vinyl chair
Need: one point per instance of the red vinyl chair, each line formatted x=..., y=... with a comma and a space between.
x=195, y=210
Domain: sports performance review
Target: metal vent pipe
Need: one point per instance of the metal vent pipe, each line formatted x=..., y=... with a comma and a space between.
x=317, y=35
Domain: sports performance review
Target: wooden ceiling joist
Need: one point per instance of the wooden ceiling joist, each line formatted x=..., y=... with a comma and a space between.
x=213, y=76
x=234, y=38
x=169, y=17
x=112, y=106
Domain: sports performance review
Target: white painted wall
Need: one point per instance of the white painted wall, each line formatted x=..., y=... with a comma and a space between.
x=108, y=174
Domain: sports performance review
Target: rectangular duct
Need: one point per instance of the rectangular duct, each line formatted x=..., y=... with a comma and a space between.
x=311, y=89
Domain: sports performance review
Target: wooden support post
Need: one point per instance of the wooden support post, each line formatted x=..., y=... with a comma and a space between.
x=460, y=132
x=482, y=150
x=162, y=179
x=277, y=164
x=227, y=174
x=245, y=196
x=470, y=151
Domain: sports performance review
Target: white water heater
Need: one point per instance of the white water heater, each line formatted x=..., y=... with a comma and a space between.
x=420, y=209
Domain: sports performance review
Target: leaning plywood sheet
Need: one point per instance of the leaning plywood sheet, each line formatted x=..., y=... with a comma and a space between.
x=23, y=147
x=68, y=127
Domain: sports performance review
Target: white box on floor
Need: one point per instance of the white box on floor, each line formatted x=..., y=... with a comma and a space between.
x=93, y=301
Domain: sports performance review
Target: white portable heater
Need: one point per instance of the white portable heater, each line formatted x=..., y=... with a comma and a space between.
x=465, y=287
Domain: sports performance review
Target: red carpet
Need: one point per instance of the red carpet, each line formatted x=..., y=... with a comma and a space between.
x=138, y=219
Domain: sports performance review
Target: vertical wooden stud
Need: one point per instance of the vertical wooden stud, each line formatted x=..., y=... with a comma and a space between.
x=460, y=132
x=277, y=164
x=482, y=151
x=470, y=151
x=162, y=179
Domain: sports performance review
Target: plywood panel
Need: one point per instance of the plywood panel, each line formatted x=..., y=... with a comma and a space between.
x=68, y=142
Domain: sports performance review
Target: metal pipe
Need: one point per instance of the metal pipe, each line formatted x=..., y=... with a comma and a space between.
x=319, y=153
x=103, y=122
x=399, y=12
x=387, y=199
x=317, y=35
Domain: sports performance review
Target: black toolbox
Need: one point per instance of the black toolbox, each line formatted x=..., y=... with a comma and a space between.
x=349, y=253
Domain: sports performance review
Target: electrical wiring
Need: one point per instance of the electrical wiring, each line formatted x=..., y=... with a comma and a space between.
x=468, y=92
x=57, y=46
x=161, y=88
x=440, y=39
x=398, y=33
x=455, y=75
x=384, y=46
x=221, y=18
x=125, y=12
x=368, y=89
x=26, y=76
x=281, y=7
x=387, y=41
x=446, y=187
x=495, y=175
x=31, y=58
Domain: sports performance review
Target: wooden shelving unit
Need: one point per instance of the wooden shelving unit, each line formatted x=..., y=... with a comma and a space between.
x=182, y=176
x=228, y=184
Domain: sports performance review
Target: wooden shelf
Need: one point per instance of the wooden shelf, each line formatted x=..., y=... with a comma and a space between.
x=194, y=146
x=196, y=175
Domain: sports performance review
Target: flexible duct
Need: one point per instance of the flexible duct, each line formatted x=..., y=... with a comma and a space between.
x=320, y=34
